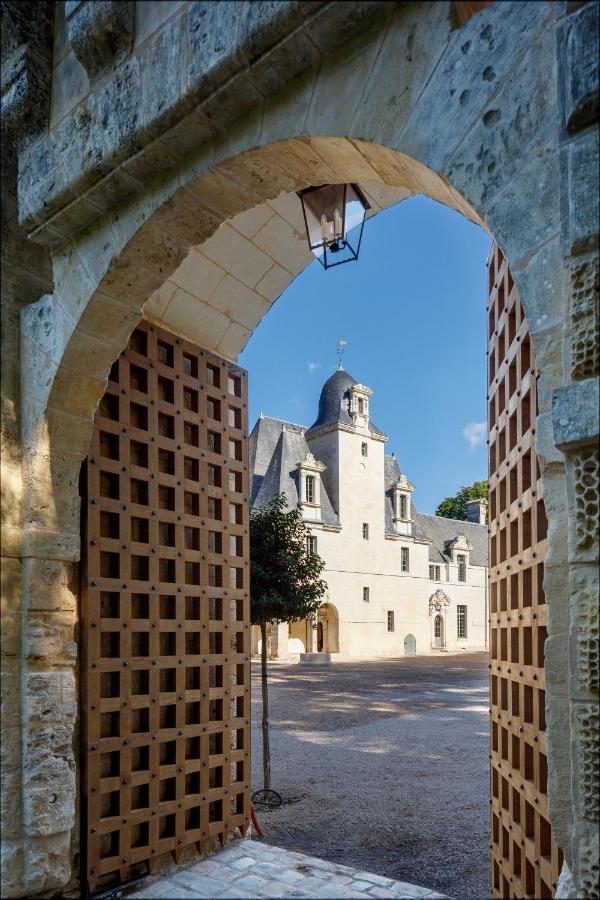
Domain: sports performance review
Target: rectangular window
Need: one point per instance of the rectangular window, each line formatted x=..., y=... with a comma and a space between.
x=311, y=543
x=435, y=573
x=403, y=506
x=462, y=567
x=404, y=559
x=310, y=489
x=366, y=595
x=361, y=406
x=364, y=449
x=365, y=531
x=390, y=620
x=461, y=621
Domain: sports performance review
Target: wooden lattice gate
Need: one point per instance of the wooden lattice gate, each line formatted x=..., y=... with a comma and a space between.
x=164, y=609
x=526, y=859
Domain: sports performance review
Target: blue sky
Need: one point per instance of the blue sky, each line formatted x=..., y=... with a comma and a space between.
x=413, y=312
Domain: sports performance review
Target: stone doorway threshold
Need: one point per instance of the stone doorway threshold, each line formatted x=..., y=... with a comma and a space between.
x=248, y=868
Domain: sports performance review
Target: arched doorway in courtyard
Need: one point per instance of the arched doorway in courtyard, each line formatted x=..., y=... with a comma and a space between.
x=327, y=629
x=438, y=632
x=156, y=258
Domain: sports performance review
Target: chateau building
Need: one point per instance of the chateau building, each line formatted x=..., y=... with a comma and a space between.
x=398, y=581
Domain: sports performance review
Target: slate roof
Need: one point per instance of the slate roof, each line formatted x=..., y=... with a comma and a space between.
x=440, y=531
x=276, y=448
x=334, y=403
x=391, y=474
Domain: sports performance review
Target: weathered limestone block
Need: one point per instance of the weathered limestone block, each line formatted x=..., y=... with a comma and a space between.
x=585, y=312
x=50, y=697
x=47, y=863
x=566, y=889
x=586, y=862
x=26, y=56
x=483, y=54
x=212, y=33
x=558, y=729
x=580, y=174
x=10, y=795
x=575, y=413
x=587, y=496
x=120, y=110
x=164, y=77
x=48, y=780
x=579, y=55
x=49, y=638
x=101, y=34
x=587, y=735
x=584, y=590
x=10, y=600
x=11, y=868
x=48, y=586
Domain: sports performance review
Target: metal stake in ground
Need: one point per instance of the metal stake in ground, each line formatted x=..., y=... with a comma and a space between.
x=284, y=587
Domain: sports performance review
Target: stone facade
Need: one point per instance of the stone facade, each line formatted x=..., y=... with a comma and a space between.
x=164, y=127
x=397, y=580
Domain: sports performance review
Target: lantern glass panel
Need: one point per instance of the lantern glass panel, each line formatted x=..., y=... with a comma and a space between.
x=332, y=212
x=324, y=214
x=355, y=211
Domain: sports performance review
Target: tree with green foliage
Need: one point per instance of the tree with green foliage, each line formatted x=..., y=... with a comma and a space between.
x=285, y=584
x=455, y=507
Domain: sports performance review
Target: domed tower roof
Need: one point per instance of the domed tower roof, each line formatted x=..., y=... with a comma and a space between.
x=334, y=403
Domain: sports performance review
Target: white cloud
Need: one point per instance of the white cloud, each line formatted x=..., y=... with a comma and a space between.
x=312, y=366
x=474, y=433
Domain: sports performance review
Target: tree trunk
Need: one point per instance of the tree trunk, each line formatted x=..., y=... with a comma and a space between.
x=265, y=710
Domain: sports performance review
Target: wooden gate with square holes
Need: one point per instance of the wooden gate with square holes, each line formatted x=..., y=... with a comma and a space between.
x=165, y=668
x=526, y=859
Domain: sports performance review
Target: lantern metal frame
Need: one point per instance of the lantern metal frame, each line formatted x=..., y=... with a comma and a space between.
x=328, y=246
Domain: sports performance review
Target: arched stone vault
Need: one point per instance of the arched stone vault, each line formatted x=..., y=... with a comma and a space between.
x=470, y=118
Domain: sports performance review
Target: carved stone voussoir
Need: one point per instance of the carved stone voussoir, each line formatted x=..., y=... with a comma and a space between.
x=100, y=34
x=585, y=337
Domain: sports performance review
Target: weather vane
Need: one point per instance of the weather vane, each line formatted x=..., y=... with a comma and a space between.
x=341, y=346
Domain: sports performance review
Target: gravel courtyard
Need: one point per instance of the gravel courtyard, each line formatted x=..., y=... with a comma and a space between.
x=383, y=766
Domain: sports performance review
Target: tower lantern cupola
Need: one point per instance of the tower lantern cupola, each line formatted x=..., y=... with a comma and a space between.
x=359, y=405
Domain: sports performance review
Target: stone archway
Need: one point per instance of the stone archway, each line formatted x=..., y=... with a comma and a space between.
x=481, y=137
x=329, y=621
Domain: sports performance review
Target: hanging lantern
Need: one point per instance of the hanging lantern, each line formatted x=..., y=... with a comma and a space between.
x=334, y=215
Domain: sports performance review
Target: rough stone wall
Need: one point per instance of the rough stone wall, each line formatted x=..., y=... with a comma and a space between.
x=575, y=424
x=222, y=107
x=25, y=273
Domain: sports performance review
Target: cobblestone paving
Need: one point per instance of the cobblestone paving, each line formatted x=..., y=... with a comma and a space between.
x=252, y=869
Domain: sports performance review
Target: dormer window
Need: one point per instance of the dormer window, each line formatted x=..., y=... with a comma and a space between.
x=309, y=486
x=401, y=500
x=361, y=406
x=461, y=559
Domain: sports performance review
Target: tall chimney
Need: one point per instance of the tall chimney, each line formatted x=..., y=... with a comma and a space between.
x=477, y=511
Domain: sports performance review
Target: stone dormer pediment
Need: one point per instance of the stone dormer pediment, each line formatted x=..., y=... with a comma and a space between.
x=459, y=544
x=311, y=464
x=403, y=484
x=438, y=601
